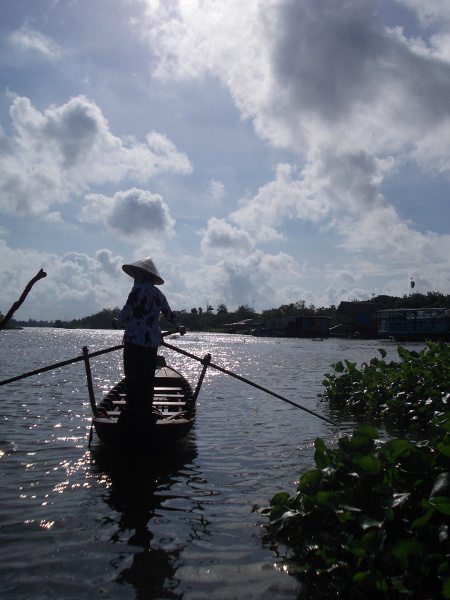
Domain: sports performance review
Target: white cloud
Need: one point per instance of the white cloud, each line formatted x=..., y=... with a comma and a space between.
x=217, y=191
x=110, y=263
x=281, y=200
x=129, y=212
x=33, y=41
x=394, y=242
x=265, y=279
x=221, y=237
x=66, y=149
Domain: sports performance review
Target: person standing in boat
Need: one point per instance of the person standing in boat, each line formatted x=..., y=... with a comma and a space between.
x=140, y=317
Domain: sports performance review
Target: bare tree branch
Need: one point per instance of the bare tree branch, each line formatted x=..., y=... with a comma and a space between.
x=25, y=292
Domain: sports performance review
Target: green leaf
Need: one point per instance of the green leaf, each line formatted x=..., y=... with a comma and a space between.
x=394, y=449
x=357, y=548
x=279, y=499
x=404, y=354
x=321, y=455
x=443, y=533
x=443, y=449
x=423, y=520
x=383, y=352
x=368, y=463
x=441, y=483
x=443, y=422
x=398, y=499
x=367, y=431
x=354, y=509
x=324, y=498
x=309, y=482
x=339, y=367
x=446, y=589
x=381, y=584
x=404, y=549
x=440, y=503
x=367, y=522
x=361, y=443
x=289, y=514
x=361, y=576
x=345, y=516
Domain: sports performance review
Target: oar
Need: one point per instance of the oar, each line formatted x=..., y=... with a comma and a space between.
x=249, y=382
x=70, y=361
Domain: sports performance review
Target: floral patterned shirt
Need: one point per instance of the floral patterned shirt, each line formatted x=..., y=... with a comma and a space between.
x=141, y=313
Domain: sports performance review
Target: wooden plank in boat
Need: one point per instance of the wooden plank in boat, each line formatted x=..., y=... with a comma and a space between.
x=160, y=392
x=114, y=413
x=157, y=397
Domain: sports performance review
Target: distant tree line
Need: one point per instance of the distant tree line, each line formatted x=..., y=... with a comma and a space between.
x=210, y=319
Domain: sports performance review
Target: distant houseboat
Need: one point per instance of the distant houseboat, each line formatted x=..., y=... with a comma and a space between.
x=294, y=326
x=356, y=319
x=414, y=324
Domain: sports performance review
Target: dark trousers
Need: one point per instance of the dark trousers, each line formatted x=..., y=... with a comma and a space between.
x=139, y=365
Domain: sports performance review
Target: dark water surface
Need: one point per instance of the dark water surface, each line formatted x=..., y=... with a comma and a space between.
x=76, y=524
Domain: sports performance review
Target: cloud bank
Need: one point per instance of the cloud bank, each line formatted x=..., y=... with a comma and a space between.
x=353, y=99
x=62, y=152
x=345, y=104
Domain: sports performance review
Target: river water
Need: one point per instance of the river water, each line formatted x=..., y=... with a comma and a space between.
x=76, y=523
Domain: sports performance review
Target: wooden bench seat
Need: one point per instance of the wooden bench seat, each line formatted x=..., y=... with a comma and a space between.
x=157, y=401
x=156, y=395
x=115, y=413
x=161, y=389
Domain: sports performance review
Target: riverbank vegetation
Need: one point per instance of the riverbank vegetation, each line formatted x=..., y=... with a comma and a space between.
x=218, y=319
x=371, y=518
x=406, y=394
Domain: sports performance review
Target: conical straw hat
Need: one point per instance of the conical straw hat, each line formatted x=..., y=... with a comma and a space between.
x=147, y=266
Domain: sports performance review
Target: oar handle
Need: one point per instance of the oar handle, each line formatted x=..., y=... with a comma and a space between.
x=172, y=332
x=249, y=382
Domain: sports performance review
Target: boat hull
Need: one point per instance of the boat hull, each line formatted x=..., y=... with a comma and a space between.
x=169, y=422
x=162, y=433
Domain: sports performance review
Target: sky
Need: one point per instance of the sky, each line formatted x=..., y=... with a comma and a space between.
x=261, y=152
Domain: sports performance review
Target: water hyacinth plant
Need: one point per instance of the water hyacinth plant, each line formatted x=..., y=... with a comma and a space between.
x=371, y=519
x=409, y=393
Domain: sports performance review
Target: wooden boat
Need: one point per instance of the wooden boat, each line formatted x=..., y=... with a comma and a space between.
x=170, y=420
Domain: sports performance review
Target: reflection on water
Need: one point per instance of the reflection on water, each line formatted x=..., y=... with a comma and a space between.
x=137, y=490
x=75, y=523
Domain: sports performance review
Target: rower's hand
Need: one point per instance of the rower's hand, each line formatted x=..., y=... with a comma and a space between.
x=181, y=329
